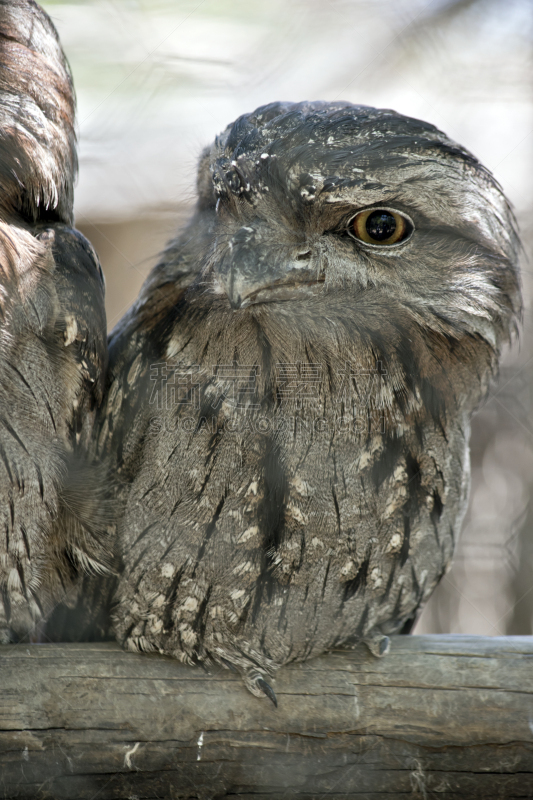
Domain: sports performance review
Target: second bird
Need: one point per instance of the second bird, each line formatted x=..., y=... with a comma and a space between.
x=289, y=400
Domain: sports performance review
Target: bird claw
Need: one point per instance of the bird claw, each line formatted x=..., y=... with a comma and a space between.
x=267, y=689
x=258, y=686
x=377, y=643
x=228, y=664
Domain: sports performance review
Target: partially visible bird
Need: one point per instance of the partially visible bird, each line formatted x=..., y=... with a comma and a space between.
x=53, y=351
x=289, y=400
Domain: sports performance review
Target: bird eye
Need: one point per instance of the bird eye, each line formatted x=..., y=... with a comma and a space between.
x=380, y=226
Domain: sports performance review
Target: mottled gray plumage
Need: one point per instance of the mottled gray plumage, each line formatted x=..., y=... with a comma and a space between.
x=53, y=351
x=288, y=406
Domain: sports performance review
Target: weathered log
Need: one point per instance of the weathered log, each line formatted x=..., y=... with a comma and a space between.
x=440, y=716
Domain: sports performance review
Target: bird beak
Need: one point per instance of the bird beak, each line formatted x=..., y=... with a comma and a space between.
x=236, y=287
x=253, y=270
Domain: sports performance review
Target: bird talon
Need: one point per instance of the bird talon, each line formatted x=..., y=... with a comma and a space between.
x=267, y=689
x=228, y=664
x=377, y=643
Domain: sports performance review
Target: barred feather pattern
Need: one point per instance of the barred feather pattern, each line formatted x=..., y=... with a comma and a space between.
x=53, y=352
x=261, y=525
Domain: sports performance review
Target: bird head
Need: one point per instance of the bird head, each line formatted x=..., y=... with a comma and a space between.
x=363, y=209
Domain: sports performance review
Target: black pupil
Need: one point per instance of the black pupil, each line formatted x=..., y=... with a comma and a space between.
x=380, y=225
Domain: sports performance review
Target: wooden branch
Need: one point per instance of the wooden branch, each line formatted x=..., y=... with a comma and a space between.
x=440, y=716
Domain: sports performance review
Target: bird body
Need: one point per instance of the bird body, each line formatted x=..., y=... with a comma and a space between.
x=289, y=399
x=53, y=352
x=269, y=534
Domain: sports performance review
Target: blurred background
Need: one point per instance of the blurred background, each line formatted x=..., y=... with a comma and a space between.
x=156, y=80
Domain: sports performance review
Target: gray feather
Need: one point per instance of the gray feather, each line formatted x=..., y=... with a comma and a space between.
x=289, y=406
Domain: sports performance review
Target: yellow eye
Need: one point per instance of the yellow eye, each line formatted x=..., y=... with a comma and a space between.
x=380, y=226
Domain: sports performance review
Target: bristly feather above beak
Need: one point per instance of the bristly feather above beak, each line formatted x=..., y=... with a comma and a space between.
x=253, y=270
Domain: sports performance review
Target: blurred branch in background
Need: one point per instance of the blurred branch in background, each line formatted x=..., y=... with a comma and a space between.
x=157, y=79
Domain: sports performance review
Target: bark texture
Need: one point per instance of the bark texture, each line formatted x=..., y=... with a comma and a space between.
x=440, y=716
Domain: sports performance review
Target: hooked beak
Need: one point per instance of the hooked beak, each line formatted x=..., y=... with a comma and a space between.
x=256, y=271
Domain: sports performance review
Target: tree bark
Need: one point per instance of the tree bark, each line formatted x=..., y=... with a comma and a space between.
x=440, y=716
